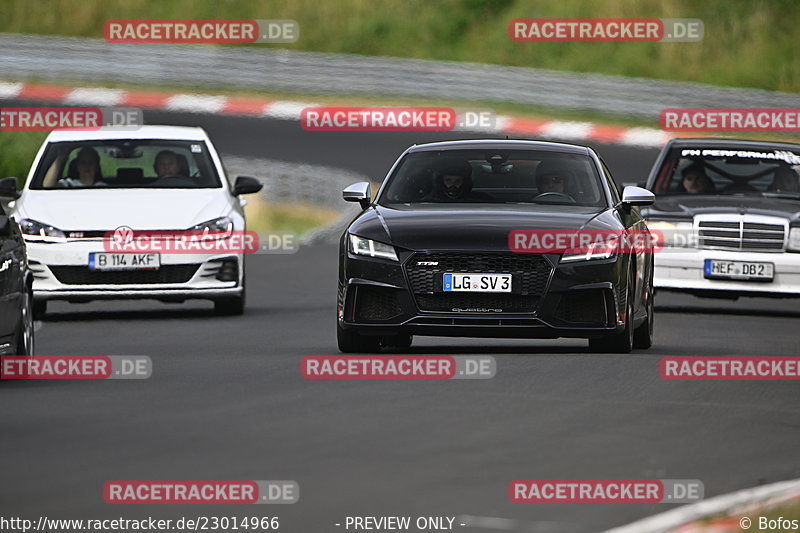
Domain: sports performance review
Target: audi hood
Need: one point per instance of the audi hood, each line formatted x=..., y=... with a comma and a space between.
x=472, y=228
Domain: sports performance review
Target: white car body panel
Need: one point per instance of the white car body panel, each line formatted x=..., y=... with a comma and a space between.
x=105, y=209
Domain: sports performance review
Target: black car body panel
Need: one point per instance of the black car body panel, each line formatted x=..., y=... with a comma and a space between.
x=549, y=299
x=16, y=281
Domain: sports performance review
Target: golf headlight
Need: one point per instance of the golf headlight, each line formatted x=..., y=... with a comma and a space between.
x=34, y=230
x=596, y=250
x=218, y=228
x=370, y=248
x=672, y=234
x=794, y=240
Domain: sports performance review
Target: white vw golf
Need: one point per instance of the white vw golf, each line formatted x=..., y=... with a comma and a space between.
x=86, y=189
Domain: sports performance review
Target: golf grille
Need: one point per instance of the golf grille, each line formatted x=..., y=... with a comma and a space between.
x=78, y=275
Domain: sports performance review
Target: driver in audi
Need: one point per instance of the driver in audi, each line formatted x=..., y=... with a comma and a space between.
x=452, y=183
x=551, y=178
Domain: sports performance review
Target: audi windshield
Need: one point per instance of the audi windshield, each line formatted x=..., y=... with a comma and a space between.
x=494, y=177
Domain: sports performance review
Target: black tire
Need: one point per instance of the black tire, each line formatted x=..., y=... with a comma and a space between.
x=39, y=309
x=352, y=342
x=621, y=342
x=232, y=306
x=398, y=342
x=643, y=336
x=25, y=335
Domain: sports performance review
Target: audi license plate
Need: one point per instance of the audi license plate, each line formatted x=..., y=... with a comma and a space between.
x=477, y=282
x=739, y=270
x=107, y=261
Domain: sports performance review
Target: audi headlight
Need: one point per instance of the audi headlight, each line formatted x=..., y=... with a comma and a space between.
x=597, y=250
x=673, y=234
x=370, y=248
x=218, y=228
x=794, y=240
x=33, y=230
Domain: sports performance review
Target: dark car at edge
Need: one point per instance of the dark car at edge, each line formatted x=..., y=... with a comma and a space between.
x=16, y=282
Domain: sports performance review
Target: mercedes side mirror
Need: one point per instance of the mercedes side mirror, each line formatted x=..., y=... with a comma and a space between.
x=358, y=192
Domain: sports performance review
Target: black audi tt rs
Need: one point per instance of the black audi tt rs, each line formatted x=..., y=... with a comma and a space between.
x=436, y=252
x=16, y=282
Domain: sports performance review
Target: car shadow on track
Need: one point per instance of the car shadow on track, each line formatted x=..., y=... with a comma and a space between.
x=489, y=350
x=146, y=314
x=740, y=311
x=81, y=316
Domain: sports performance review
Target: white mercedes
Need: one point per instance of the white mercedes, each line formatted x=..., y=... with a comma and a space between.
x=729, y=214
x=84, y=187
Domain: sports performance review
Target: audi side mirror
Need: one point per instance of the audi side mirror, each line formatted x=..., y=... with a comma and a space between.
x=358, y=192
x=637, y=196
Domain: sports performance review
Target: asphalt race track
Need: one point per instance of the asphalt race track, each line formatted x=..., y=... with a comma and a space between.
x=226, y=399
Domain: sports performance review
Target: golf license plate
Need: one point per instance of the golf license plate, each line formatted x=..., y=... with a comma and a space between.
x=109, y=261
x=476, y=282
x=739, y=270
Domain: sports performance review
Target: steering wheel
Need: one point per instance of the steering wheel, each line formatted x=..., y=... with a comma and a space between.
x=174, y=180
x=559, y=196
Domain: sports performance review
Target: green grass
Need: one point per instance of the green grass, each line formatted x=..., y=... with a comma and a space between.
x=297, y=218
x=789, y=511
x=748, y=43
x=17, y=151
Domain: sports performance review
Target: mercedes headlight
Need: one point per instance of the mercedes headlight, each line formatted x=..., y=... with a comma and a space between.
x=33, y=230
x=672, y=234
x=370, y=248
x=794, y=240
